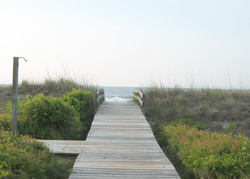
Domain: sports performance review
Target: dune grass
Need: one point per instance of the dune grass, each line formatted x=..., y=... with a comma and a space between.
x=219, y=110
x=223, y=112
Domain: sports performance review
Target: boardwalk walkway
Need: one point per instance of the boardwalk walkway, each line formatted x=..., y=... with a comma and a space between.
x=120, y=144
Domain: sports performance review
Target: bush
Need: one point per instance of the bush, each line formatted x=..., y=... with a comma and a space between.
x=210, y=155
x=5, y=122
x=189, y=122
x=5, y=118
x=219, y=110
x=23, y=157
x=211, y=107
x=49, y=87
x=43, y=117
x=82, y=102
x=51, y=118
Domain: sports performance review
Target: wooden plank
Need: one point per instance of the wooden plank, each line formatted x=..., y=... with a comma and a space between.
x=128, y=148
x=120, y=144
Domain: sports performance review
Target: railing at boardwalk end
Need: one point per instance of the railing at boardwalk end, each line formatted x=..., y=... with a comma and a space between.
x=138, y=97
x=99, y=98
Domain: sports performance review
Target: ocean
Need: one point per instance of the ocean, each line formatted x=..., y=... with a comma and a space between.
x=118, y=94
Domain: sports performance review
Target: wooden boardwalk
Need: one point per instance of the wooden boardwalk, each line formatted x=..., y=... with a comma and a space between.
x=120, y=144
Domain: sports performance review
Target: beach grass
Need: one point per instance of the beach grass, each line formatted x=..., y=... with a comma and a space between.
x=222, y=112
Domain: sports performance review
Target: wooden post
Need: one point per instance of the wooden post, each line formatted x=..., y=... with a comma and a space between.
x=15, y=95
x=95, y=102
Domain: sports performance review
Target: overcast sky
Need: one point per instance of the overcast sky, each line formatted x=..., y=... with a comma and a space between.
x=128, y=42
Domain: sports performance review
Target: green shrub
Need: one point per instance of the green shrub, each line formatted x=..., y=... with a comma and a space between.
x=5, y=118
x=210, y=107
x=23, y=157
x=218, y=110
x=51, y=118
x=49, y=87
x=189, y=122
x=5, y=121
x=82, y=101
x=210, y=155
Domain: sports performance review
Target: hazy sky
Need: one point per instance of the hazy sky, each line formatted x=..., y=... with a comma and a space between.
x=128, y=42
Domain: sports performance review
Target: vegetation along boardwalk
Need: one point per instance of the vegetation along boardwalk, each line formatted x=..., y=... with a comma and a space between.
x=120, y=144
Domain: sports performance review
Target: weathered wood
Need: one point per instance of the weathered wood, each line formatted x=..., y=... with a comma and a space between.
x=138, y=97
x=120, y=144
x=127, y=147
x=99, y=98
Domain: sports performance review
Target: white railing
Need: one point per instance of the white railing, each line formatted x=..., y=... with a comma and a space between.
x=138, y=97
x=99, y=98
